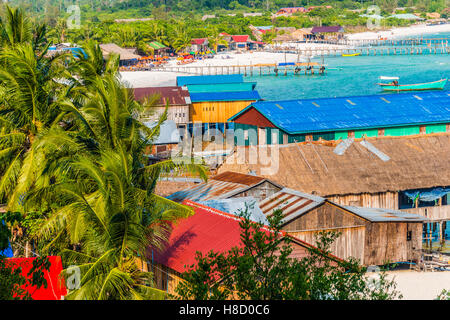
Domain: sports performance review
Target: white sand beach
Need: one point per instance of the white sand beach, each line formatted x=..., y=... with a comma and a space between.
x=420, y=285
x=138, y=79
x=414, y=30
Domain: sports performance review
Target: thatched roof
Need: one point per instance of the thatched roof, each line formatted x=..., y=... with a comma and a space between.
x=420, y=161
x=124, y=54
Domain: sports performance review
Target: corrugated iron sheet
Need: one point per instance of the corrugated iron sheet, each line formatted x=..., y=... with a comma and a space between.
x=291, y=202
x=222, y=186
x=222, y=87
x=209, y=79
x=225, y=96
x=350, y=113
x=385, y=215
x=173, y=95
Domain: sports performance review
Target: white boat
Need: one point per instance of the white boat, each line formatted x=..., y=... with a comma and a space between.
x=388, y=78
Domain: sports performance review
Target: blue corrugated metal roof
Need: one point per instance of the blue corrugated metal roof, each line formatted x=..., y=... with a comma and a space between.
x=225, y=96
x=210, y=79
x=349, y=113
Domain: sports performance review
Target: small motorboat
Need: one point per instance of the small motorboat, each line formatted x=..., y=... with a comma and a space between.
x=394, y=86
x=351, y=54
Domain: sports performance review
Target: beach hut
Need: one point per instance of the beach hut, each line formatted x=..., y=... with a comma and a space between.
x=282, y=122
x=239, y=42
x=126, y=56
x=327, y=32
x=208, y=229
x=158, y=47
x=373, y=236
x=177, y=98
x=199, y=44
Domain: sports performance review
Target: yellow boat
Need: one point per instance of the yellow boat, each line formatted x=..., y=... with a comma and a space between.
x=351, y=54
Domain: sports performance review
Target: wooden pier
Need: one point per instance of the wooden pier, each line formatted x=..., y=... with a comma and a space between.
x=375, y=48
x=271, y=69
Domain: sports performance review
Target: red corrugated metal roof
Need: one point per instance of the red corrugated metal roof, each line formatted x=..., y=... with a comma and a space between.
x=208, y=229
x=175, y=95
x=240, y=38
x=55, y=285
x=198, y=41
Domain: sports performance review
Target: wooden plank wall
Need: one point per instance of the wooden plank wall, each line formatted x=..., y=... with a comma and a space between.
x=260, y=192
x=349, y=244
x=387, y=200
x=179, y=114
x=330, y=218
x=216, y=111
x=386, y=242
x=437, y=213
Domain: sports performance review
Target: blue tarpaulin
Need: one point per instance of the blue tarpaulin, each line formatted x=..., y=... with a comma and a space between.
x=225, y=96
x=349, y=113
x=210, y=79
x=427, y=195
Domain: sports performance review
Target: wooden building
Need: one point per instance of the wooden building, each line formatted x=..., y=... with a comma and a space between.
x=373, y=236
x=415, y=166
x=281, y=122
x=215, y=98
x=228, y=185
x=126, y=56
x=177, y=98
x=208, y=229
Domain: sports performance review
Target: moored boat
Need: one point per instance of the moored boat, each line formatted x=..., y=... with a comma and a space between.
x=394, y=86
x=351, y=54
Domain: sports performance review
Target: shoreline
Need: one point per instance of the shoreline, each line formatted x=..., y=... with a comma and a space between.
x=140, y=79
x=399, y=32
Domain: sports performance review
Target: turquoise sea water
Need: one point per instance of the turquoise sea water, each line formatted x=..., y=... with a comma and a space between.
x=351, y=76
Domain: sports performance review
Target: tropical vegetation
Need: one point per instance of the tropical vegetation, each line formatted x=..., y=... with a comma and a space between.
x=74, y=165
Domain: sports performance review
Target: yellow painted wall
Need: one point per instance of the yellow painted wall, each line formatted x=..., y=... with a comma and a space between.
x=216, y=111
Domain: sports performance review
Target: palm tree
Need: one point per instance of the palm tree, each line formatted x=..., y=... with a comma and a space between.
x=29, y=104
x=17, y=29
x=97, y=177
x=180, y=39
x=216, y=39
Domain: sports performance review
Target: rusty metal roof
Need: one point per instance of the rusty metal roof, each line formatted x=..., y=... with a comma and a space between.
x=222, y=186
x=292, y=203
x=385, y=215
x=174, y=95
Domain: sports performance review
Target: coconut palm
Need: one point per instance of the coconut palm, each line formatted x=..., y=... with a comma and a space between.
x=17, y=28
x=29, y=103
x=216, y=39
x=98, y=179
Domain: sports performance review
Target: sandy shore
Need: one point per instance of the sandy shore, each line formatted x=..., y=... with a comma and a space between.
x=420, y=285
x=401, y=32
x=139, y=79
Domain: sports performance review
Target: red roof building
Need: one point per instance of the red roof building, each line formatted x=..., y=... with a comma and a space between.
x=208, y=229
x=240, y=38
x=56, y=288
x=199, y=41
